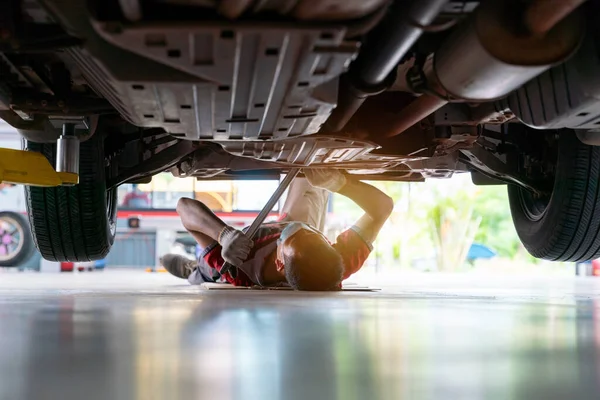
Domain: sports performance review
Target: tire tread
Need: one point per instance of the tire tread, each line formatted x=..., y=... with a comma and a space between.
x=72, y=223
x=570, y=228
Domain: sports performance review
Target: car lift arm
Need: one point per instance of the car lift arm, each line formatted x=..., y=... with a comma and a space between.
x=31, y=168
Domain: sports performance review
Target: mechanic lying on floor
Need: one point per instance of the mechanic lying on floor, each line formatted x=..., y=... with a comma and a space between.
x=291, y=251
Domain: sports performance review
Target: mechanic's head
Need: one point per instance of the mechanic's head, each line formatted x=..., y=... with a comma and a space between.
x=307, y=259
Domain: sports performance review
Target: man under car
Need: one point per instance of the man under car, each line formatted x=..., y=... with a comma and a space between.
x=291, y=251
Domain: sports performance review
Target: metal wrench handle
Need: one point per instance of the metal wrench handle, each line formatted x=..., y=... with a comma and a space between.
x=260, y=218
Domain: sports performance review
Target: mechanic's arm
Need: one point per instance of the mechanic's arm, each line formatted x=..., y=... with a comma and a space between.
x=377, y=206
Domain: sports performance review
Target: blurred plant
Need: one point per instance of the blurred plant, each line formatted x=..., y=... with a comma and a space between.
x=441, y=219
x=396, y=251
x=497, y=229
x=453, y=228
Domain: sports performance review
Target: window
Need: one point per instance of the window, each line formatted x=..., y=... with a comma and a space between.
x=220, y=196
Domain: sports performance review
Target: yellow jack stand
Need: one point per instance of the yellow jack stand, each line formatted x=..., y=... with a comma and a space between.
x=33, y=169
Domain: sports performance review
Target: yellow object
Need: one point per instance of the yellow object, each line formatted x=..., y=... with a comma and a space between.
x=159, y=269
x=31, y=168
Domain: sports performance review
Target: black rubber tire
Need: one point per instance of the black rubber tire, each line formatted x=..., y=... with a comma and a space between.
x=75, y=223
x=25, y=250
x=567, y=226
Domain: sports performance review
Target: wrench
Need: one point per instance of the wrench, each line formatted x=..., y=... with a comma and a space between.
x=260, y=218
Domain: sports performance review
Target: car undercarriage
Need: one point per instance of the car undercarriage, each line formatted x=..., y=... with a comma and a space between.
x=402, y=90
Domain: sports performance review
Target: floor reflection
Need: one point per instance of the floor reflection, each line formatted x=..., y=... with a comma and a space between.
x=289, y=346
x=271, y=352
x=68, y=346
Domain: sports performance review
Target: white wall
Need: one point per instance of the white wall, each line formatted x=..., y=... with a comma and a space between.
x=11, y=199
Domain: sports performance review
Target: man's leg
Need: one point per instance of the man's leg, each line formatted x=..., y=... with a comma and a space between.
x=203, y=273
x=306, y=203
x=178, y=265
x=188, y=211
x=194, y=271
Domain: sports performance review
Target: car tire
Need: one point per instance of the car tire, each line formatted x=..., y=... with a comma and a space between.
x=566, y=225
x=16, y=244
x=76, y=223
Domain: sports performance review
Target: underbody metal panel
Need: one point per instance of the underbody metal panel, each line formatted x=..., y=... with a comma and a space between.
x=242, y=81
x=224, y=158
x=216, y=157
x=308, y=10
x=311, y=151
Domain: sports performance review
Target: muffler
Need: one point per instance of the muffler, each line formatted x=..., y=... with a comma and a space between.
x=491, y=55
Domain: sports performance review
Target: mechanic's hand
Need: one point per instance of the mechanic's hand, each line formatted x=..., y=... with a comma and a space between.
x=329, y=179
x=235, y=246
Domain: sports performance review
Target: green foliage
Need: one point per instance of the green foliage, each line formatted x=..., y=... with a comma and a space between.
x=453, y=227
x=496, y=230
x=396, y=251
x=443, y=217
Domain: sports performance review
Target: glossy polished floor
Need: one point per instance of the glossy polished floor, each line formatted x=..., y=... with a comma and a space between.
x=125, y=335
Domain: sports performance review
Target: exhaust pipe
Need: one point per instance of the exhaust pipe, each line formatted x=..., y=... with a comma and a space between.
x=373, y=70
x=543, y=15
x=490, y=57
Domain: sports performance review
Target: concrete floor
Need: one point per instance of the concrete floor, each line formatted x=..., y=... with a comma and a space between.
x=125, y=335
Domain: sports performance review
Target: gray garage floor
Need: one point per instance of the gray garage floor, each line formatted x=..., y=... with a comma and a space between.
x=126, y=335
